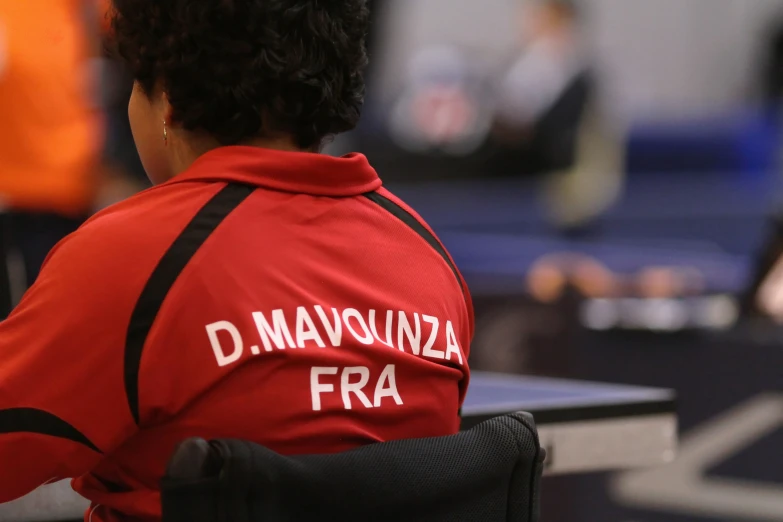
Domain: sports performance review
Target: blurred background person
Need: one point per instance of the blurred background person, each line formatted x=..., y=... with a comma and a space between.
x=547, y=118
x=543, y=95
x=51, y=171
x=51, y=138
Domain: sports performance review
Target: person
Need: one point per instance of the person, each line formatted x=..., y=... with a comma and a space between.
x=53, y=169
x=541, y=97
x=549, y=120
x=261, y=290
x=50, y=141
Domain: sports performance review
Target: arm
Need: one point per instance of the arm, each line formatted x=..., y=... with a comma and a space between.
x=62, y=400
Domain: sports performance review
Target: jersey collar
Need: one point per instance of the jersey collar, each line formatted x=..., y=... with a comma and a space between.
x=297, y=172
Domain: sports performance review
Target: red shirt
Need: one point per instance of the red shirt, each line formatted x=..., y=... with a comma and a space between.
x=283, y=298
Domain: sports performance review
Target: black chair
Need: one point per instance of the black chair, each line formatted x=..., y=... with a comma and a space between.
x=489, y=473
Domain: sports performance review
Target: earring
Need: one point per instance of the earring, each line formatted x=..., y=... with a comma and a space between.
x=165, y=134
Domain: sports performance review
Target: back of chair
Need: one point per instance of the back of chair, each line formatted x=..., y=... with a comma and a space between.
x=489, y=473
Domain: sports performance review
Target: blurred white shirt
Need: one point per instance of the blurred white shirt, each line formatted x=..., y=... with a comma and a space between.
x=537, y=80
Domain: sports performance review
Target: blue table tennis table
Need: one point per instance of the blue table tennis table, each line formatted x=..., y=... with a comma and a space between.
x=584, y=427
x=496, y=229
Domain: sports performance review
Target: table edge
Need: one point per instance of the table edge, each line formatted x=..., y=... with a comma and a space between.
x=566, y=414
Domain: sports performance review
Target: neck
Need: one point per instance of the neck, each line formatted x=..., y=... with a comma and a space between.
x=188, y=150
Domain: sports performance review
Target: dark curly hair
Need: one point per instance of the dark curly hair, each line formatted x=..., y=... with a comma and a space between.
x=240, y=69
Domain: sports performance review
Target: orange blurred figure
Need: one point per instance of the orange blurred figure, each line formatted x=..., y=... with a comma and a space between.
x=50, y=139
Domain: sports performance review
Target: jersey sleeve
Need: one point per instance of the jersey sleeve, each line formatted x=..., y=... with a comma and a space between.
x=62, y=400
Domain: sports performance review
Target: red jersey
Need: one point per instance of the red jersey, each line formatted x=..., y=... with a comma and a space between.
x=283, y=298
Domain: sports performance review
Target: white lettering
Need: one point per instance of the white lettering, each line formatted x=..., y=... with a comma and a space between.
x=277, y=333
x=451, y=343
x=347, y=314
x=389, y=318
x=222, y=358
x=316, y=388
x=310, y=334
x=335, y=332
x=428, y=351
x=391, y=390
x=347, y=387
x=404, y=327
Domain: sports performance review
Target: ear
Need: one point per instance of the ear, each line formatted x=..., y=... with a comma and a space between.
x=165, y=107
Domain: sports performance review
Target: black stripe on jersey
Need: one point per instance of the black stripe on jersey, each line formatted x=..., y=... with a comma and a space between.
x=407, y=218
x=166, y=273
x=30, y=420
x=112, y=487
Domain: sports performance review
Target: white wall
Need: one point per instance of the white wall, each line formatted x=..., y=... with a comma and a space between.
x=482, y=26
x=660, y=58
x=676, y=57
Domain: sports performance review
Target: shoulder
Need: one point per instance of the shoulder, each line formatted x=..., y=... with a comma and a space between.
x=406, y=214
x=125, y=241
